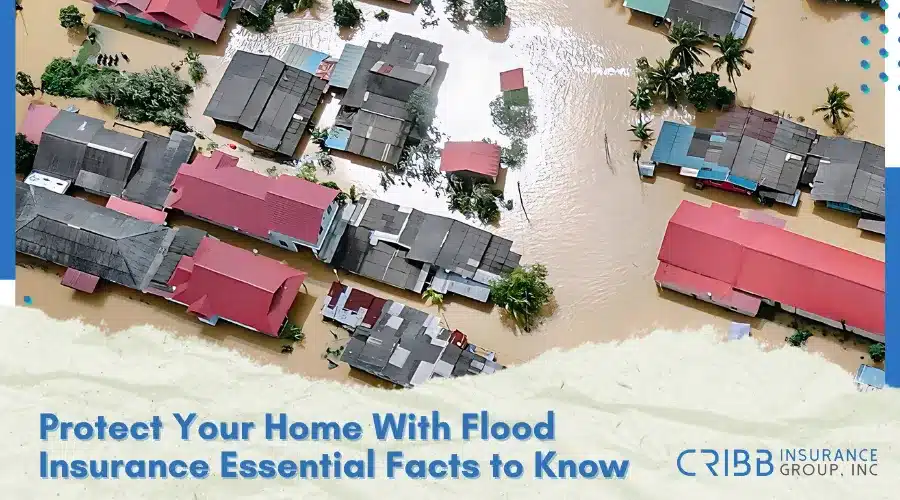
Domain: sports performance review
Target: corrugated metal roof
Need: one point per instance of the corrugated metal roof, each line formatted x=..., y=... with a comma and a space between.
x=850, y=172
x=346, y=66
x=159, y=163
x=716, y=17
x=478, y=157
x=656, y=8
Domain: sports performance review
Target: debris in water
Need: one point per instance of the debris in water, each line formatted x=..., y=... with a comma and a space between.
x=287, y=349
x=125, y=56
x=332, y=365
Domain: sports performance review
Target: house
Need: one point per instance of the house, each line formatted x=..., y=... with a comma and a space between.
x=77, y=149
x=373, y=120
x=38, y=117
x=400, y=344
x=220, y=281
x=156, y=170
x=716, y=255
x=285, y=211
x=346, y=66
x=868, y=378
x=716, y=17
x=192, y=18
x=749, y=151
x=254, y=7
x=88, y=238
x=849, y=175
x=270, y=99
x=473, y=159
x=409, y=249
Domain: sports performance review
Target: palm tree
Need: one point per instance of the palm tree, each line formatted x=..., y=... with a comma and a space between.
x=665, y=81
x=642, y=131
x=733, y=57
x=435, y=298
x=641, y=100
x=688, y=40
x=836, y=107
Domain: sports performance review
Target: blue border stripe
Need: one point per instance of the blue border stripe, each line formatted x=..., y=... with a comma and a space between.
x=892, y=282
x=8, y=148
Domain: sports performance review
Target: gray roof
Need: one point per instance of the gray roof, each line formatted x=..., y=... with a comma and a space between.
x=162, y=158
x=77, y=234
x=417, y=245
x=407, y=346
x=402, y=51
x=346, y=66
x=850, y=172
x=378, y=137
x=185, y=243
x=872, y=225
x=716, y=17
x=252, y=6
x=271, y=100
x=78, y=148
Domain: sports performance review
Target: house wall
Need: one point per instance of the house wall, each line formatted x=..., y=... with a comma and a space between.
x=832, y=323
x=706, y=298
x=293, y=244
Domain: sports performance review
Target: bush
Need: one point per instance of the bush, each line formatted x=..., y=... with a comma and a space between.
x=513, y=120
x=798, y=338
x=196, y=69
x=876, y=352
x=725, y=98
x=701, y=89
x=513, y=156
x=490, y=12
x=262, y=23
x=382, y=15
x=421, y=105
x=70, y=17
x=25, y=153
x=24, y=85
x=474, y=200
x=64, y=79
x=346, y=14
x=342, y=196
x=523, y=293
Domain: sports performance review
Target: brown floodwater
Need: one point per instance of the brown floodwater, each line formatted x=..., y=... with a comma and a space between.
x=596, y=226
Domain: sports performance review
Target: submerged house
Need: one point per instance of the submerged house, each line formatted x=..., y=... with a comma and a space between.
x=849, y=175
x=749, y=151
x=271, y=99
x=373, y=120
x=413, y=250
x=192, y=18
x=716, y=255
x=285, y=211
x=77, y=149
x=400, y=344
x=477, y=160
x=716, y=17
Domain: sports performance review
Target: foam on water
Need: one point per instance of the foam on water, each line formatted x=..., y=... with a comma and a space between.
x=644, y=399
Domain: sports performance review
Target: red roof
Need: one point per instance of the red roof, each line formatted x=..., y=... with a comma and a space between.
x=356, y=300
x=136, y=210
x=37, y=119
x=199, y=17
x=773, y=263
x=234, y=284
x=216, y=189
x=81, y=281
x=474, y=156
x=513, y=79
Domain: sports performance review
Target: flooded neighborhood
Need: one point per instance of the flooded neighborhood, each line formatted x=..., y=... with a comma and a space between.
x=578, y=205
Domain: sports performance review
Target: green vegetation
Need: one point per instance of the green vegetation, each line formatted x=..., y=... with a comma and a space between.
x=523, y=293
x=665, y=81
x=876, y=352
x=642, y=131
x=346, y=14
x=292, y=331
x=474, y=199
x=421, y=105
x=734, y=56
x=489, y=12
x=71, y=18
x=382, y=15
x=342, y=196
x=641, y=98
x=513, y=156
x=308, y=172
x=156, y=95
x=687, y=46
x=703, y=91
x=25, y=153
x=432, y=297
x=24, y=85
x=836, y=107
x=262, y=23
x=319, y=136
x=353, y=195
x=512, y=118
x=798, y=338
x=196, y=69
x=457, y=10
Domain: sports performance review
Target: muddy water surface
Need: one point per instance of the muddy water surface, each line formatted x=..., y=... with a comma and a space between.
x=595, y=225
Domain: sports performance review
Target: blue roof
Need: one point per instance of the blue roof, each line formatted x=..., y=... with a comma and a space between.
x=304, y=59
x=672, y=145
x=743, y=182
x=870, y=376
x=714, y=173
x=346, y=66
x=338, y=138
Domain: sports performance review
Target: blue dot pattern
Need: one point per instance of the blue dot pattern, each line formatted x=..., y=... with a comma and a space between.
x=883, y=53
x=865, y=16
x=865, y=40
x=883, y=29
x=27, y=300
x=864, y=88
x=865, y=64
x=883, y=77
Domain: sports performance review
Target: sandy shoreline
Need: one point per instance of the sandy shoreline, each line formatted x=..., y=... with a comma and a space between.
x=598, y=230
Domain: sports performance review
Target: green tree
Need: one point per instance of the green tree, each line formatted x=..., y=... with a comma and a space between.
x=291, y=331
x=798, y=338
x=642, y=131
x=724, y=97
x=513, y=156
x=523, y=293
x=489, y=12
x=25, y=153
x=261, y=23
x=71, y=18
x=382, y=15
x=353, y=195
x=196, y=69
x=665, y=81
x=641, y=99
x=876, y=352
x=456, y=9
x=24, y=85
x=701, y=89
x=734, y=56
x=421, y=108
x=688, y=41
x=474, y=200
x=308, y=172
x=836, y=105
x=346, y=14
x=433, y=297
x=341, y=197
x=512, y=119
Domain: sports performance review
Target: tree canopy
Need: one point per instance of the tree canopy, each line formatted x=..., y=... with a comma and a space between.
x=734, y=56
x=70, y=17
x=490, y=12
x=688, y=41
x=837, y=105
x=346, y=14
x=25, y=153
x=523, y=293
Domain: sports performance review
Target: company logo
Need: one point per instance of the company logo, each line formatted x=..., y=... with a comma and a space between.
x=763, y=462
